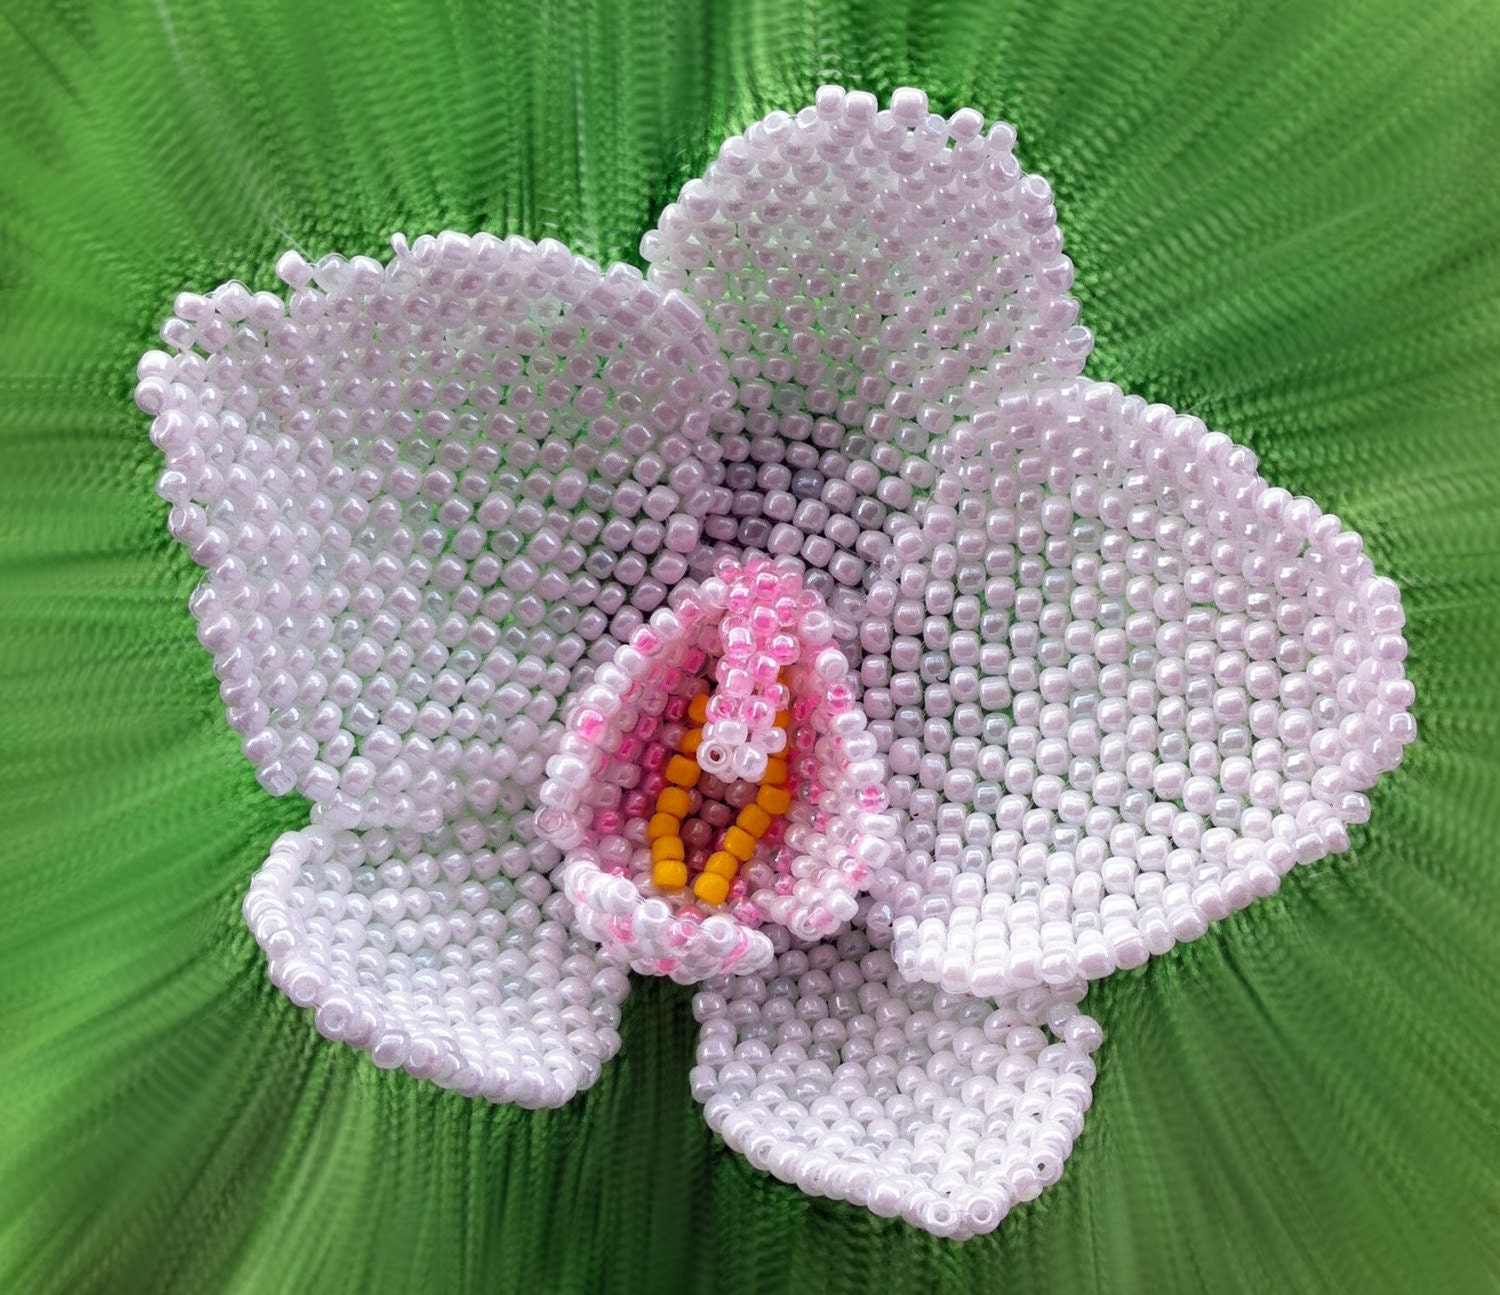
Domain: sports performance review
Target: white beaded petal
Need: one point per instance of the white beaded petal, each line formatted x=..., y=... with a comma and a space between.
x=1111, y=684
x=833, y=1072
x=873, y=276
x=446, y=955
x=1125, y=685
x=422, y=492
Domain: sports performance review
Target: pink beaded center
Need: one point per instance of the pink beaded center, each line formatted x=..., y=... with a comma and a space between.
x=761, y=644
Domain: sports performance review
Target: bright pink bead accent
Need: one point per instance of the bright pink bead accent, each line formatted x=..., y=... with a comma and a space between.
x=761, y=643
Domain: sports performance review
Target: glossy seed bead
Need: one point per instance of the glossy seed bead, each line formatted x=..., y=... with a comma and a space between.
x=683, y=772
x=662, y=826
x=711, y=888
x=773, y=800
x=754, y=820
x=666, y=847
x=669, y=874
x=739, y=843
x=723, y=863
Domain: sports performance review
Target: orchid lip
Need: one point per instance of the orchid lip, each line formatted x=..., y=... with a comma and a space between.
x=682, y=841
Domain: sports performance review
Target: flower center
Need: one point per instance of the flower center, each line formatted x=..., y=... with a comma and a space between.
x=721, y=767
x=694, y=811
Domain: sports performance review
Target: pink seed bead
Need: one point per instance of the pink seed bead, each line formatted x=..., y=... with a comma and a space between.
x=759, y=714
x=738, y=639
x=722, y=707
x=737, y=683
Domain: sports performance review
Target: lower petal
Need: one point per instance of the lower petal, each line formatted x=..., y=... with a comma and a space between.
x=446, y=955
x=835, y=1073
x=643, y=931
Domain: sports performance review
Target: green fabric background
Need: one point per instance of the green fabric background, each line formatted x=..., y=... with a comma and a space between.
x=1285, y=219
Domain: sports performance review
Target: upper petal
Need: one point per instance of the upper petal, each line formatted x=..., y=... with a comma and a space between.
x=421, y=493
x=1125, y=685
x=888, y=270
x=836, y=1073
x=448, y=955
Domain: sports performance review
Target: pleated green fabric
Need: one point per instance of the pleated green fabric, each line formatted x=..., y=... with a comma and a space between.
x=1286, y=219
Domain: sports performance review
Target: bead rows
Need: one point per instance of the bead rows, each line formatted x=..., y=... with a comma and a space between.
x=873, y=276
x=713, y=874
x=443, y=955
x=611, y=766
x=833, y=1072
x=1068, y=681
x=422, y=492
x=1123, y=686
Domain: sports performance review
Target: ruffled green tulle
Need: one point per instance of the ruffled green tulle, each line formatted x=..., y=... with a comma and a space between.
x=1285, y=219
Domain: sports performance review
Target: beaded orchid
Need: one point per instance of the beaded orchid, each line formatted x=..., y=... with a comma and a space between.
x=793, y=620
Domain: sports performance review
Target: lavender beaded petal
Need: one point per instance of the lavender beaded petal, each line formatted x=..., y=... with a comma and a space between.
x=446, y=955
x=834, y=1072
x=1121, y=683
x=422, y=493
x=1126, y=684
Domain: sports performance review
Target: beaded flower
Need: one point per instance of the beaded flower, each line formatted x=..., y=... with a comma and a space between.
x=793, y=620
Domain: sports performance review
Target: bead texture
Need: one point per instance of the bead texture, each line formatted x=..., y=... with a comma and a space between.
x=794, y=620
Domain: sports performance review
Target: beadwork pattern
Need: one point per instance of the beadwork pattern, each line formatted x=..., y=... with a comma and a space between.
x=805, y=857
x=793, y=619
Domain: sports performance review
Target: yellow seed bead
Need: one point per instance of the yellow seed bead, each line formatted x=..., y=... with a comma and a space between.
x=691, y=740
x=754, y=820
x=682, y=772
x=739, y=843
x=783, y=718
x=775, y=773
x=670, y=874
x=663, y=825
x=723, y=864
x=711, y=888
x=774, y=800
x=674, y=801
x=698, y=708
x=666, y=847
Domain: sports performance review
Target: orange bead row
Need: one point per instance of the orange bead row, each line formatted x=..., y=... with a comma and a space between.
x=664, y=829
